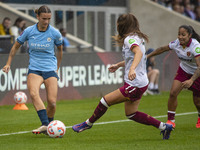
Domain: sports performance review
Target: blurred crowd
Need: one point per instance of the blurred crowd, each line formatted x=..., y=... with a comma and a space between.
x=9, y=32
x=6, y=28
x=16, y=28
x=189, y=8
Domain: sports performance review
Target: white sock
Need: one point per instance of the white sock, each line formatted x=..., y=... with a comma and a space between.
x=156, y=86
x=151, y=85
x=162, y=126
x=88, y=122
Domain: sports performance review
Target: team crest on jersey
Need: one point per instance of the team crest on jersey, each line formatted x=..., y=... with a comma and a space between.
x=131, y=41
x=188, y=54
x=197, y=50
x=48, y=39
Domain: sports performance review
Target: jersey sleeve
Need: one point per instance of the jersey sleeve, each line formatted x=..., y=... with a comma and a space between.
x=196, y=50
x=131, y=41
x=58, y=39
x=173, y=44
x=23, y=37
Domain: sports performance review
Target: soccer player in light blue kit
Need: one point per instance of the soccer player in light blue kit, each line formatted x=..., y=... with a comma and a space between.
x=43, y=64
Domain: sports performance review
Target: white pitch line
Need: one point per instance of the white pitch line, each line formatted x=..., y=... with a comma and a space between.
x=100, y=123
x=117, y=121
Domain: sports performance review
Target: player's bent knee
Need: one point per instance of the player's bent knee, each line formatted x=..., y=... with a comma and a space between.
x=157, y=71
x=173, y=94
x=33, y=95
x=52, y=104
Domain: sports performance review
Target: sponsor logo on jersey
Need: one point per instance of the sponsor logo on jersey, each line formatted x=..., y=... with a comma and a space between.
x=197, y=50
x=40, y=45
x=131, y=41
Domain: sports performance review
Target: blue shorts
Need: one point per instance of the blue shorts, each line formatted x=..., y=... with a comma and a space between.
x=44, y=74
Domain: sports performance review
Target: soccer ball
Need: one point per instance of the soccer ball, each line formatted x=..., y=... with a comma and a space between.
x=56, y=129
x=20, y=97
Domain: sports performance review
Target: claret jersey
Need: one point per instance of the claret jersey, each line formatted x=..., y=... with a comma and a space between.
x=187, y=55
x=141, y=79
x=41, y=47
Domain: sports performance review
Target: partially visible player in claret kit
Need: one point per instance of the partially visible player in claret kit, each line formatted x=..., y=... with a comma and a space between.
x=43, y=64
x=187, y=48
x=136, y=81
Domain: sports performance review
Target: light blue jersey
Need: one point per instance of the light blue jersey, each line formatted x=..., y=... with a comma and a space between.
x=41, y=47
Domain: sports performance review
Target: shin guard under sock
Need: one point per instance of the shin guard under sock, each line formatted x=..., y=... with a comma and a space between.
x=99, y=111
x=171, y=115
x=143, y=118
x=43, y=116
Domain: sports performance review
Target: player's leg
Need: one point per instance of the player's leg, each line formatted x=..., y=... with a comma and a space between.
x=132, y=113
x=34, y=82
x=106, y=101
x=195, y=88
x=151, y=77
x=156, y=90
x=172, y=101
x=196, y=100
x=51, y=91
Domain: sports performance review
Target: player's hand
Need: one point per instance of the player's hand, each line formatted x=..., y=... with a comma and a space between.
x=113, y=68
x=131, y=74
x=187, y=83
x=6, y=68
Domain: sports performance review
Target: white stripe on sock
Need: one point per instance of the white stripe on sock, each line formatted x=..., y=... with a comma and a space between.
x=130, y=116
x=104, y=102
x=173, y=112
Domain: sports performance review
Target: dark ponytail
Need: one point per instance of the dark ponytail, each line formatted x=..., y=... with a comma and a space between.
x=191, y=30
x=194, y=34
x=42, y=9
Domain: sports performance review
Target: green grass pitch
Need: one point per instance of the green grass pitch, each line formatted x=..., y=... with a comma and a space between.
x=124, y=135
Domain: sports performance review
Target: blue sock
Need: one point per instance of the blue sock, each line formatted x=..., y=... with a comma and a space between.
x=43, y=117
x=50, y=119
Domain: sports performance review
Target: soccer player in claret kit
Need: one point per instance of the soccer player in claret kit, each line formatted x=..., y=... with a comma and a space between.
x=187, y=48
x=135, y=78
x=43, y=64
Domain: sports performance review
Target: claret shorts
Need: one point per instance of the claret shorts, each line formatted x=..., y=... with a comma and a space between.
x=181, y=76
x=131, y=92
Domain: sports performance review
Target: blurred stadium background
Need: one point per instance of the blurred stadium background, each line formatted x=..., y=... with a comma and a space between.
x=90, y=25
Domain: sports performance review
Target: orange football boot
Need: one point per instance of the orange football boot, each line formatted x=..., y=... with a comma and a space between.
x=198, y=123
x=174, y=125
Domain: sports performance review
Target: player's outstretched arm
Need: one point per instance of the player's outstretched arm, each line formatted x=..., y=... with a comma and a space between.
x=12, y=53
x=114, y=67
x=158, y=51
